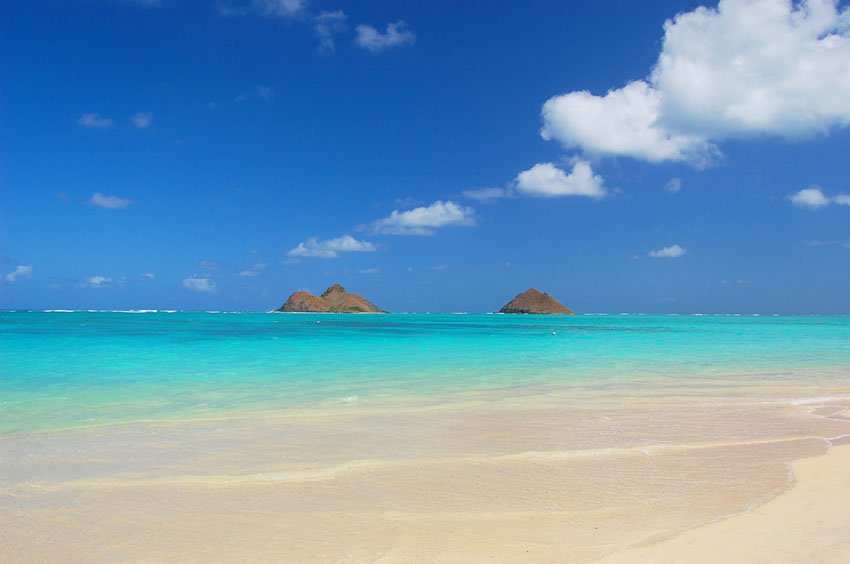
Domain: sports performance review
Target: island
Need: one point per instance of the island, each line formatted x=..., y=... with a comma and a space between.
x=335, y=299
x=535, y=301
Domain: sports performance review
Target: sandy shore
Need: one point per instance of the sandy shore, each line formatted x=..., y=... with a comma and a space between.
x=810, y=523
x=541, y=480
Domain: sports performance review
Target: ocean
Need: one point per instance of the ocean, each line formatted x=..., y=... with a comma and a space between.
x=61, y=370
x=205, y=436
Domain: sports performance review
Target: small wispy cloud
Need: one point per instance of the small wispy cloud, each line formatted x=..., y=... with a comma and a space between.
x=141, y=120
x=95, y=121
x=673, y=186
x=21, y=271
x=375, y=41
x=331, y=248
x=96, y=281
x=369, y=271
x=828, y=243
x=254, y=270
x=109, y=202
x=326, y=27
x=425, y=220
x=198, y=284
x=273, y=8
x=673, y=251
x=487, y=195
x=265, y=93
x=146, y=3
x=149, y=276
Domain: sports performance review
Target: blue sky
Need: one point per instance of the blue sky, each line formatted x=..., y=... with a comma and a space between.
x=434, y=156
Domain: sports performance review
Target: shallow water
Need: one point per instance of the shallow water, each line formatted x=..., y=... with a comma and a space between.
x=269, y=437
x=68, y=369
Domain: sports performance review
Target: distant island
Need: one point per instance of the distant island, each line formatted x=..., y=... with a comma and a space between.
x=335, y=299
x=535, y=301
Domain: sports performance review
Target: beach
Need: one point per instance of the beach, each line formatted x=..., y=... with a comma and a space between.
x=808, y=523
x=639, y=465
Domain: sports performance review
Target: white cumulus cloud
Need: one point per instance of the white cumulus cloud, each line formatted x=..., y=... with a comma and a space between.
x=625, y=121
x=744, y=69
x=842, y=199
x=673, y=251
x=546, y=179
x=196, y=284
x=425, y=220
x=813, y=198
x=375, y=41
x=95, y=121
x=21, y=271
x=330, y=248
x=109, y=202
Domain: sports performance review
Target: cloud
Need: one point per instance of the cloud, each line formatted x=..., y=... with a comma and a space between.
x=95, y=121
x=746, y=69
x=673, y=186
x=673, y=251
x=812, y=198
x=141, y=120
x=425, y=220
x=255, y=270
x=96, y=281
x=440, y=267
x=327, y=25
x=623, y=122
x=149, y=276
x=487, y=195
x=281, y=8
x=275, y=8
x=109, y=202
x=369, y=271
x=374, y=41
x=21, y=271
x=545, y=179
x=266, y=93
x=330, y=248
x=195, y=284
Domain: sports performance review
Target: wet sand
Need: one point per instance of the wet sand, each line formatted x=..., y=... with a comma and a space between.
x=808, y=523
x=554, y=477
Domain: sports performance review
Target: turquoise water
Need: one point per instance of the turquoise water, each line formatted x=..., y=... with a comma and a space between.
x=70, y=369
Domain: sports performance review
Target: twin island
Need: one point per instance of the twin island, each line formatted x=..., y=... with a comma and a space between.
x=337, y=299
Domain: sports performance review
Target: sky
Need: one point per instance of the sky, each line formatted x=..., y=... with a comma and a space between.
x=658, y=157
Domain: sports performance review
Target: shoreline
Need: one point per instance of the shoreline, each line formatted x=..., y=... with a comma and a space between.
x=807, y=522
x=505, y=483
